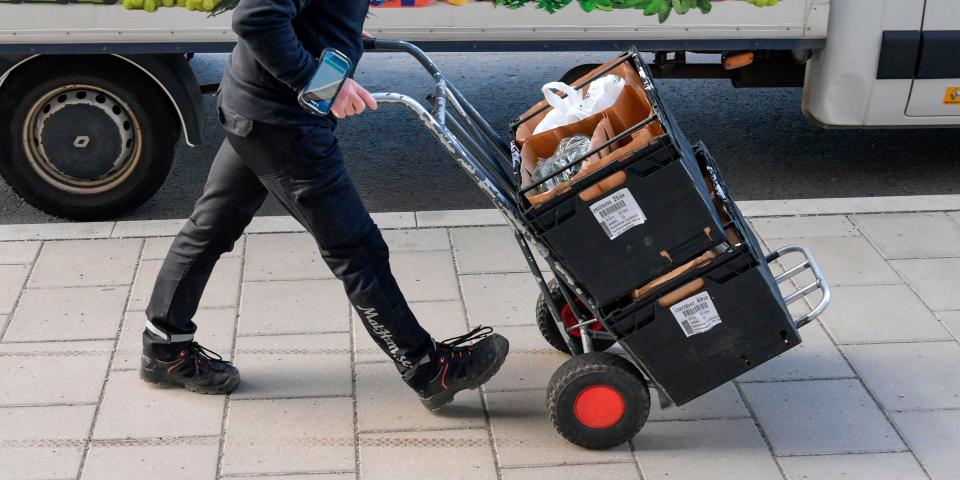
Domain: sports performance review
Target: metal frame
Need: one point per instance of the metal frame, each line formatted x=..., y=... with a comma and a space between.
x=483, y=155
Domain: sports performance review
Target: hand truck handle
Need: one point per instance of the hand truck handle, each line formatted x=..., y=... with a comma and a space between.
x=455, y=122
x=819, y=282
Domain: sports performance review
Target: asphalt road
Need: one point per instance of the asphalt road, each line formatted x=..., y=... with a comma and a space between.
x=767, y=148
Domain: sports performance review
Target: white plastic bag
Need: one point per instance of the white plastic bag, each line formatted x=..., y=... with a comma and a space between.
x=602, y=93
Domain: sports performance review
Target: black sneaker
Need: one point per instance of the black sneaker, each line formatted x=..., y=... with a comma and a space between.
x=454, y=367
x=196, y=369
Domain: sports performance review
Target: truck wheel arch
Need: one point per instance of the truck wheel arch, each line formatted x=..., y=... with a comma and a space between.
x=171, y=73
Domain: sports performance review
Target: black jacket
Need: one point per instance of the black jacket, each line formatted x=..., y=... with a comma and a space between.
x=280, y=41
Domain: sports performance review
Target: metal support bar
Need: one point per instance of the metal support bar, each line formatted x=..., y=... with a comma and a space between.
x=819, y=283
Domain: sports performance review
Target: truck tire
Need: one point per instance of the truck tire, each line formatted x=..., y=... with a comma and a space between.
x=88, y=138
x=575, y=73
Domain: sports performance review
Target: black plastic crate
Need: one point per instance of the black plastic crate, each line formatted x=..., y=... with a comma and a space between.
x=681, y=223
x=754, y=326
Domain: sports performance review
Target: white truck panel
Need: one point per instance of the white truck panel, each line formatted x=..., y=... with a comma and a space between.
x=841, y=86
x=477, y=21
x=928, y=97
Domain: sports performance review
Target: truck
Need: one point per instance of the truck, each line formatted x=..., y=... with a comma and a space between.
x=97, y=96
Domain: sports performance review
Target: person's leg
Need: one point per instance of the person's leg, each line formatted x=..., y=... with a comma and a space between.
x=311, y=182
x=231, y=197
x=313, y=185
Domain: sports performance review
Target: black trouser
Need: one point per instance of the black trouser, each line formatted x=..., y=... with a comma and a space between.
x=303, y=168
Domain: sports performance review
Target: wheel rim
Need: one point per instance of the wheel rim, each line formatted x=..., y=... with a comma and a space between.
x=599, y=406
x=82, y=139
x=569, y=320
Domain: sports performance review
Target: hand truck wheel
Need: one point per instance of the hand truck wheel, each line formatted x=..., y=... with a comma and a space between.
x=548, y=327
x=598, y=400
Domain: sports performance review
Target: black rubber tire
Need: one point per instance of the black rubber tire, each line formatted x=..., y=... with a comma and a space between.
x=550, y=331
x=145, y=101
x=575, y=73
x=597, y=369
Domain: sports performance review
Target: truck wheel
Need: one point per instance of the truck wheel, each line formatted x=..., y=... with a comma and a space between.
x=598, y=400
x=550, y=331
x=575, y=73
x=87, y=139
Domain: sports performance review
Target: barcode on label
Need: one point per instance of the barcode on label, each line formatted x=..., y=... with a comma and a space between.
x=694, y=309
x=696, y=314
x=617, y=213
x=607, y=211
x=687, y=328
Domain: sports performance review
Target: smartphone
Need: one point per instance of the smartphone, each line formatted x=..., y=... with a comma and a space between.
x=318, y=96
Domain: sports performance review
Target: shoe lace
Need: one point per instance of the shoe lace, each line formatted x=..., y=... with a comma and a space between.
x=453, y=343
x=199, y=353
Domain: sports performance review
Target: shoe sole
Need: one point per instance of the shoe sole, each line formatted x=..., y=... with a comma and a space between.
x=438, y=401
x=229, y=386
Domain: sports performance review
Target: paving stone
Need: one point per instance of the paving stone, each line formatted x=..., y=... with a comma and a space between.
x=907, y=376
x=418, y=240
x=425, y=276
x=283, y=256
x=862, y=466
x=309, y=476
x=18, y=252
x=188, y=459
x=489, y=249
x=722, y=402
x=881, y=313
x=147, y=228
x=846, y=260
x=82, y=313
x=951, y=319
x=531, y=361
x=773, y=228
x=912, y=235
x=524, y=435
x=441, y=320
x=12, y=278
x=79, y=263
x=294, y=365
x=500, y=298
x=36, y=373
x=134, y=409
x=274, y=224
x=215, y=331
x=934, y=437
x=935, y=280
x=460, y=218
x=43, y=442
x=392, y=220
x=220, y=291
x=619, y=471
x=385, y=402
x=793, y=416
x=714, y=449
x=292, y=435
x=464, y=454
x=55, y=231
x=156, y=248
x=301, y=306
x=3, y=322
x=815, y=357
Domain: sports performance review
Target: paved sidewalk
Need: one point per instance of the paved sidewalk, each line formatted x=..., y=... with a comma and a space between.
x=873, y=392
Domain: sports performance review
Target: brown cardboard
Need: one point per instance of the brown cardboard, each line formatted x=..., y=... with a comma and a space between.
x=625, y=71
x=631, y=107
x=699, y=262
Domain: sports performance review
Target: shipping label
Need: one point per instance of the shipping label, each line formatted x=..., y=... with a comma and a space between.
x=618, y=213
x=696, y=314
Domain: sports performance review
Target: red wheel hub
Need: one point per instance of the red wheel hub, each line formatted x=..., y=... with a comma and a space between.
x=569, y=320
x=599, y=406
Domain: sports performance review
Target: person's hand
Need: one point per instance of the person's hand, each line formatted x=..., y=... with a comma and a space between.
x=352, y=100
x=365, y=34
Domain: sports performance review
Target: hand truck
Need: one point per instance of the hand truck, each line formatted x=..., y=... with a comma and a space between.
x=600, y=399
